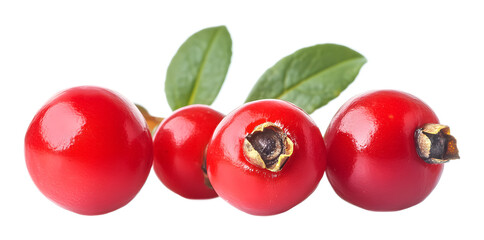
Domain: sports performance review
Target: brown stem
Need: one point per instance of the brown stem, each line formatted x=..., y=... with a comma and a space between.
x=152, y=121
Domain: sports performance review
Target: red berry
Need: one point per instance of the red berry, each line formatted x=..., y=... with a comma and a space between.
x=89, y=150
x=179, y=150
x=266, y=157
x=372, y=158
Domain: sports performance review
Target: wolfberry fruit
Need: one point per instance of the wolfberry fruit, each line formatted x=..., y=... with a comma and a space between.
x=89, y=150
x=385, y=149
x=266, y=157
x=180, y=147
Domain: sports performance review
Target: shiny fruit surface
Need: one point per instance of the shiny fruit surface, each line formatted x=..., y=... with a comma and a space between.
x=88, y=150
x=179, y=150
x=266, y=157
x=372, y=157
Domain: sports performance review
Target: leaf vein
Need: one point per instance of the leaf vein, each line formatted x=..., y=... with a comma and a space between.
x=287, y=91
x=202, y=66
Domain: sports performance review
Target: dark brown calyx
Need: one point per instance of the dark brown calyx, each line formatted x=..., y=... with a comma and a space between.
x=206, y=181
x=268, y=147
x=435, y=145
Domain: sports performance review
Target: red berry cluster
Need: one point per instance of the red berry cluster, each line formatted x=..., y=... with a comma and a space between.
x=90, y=151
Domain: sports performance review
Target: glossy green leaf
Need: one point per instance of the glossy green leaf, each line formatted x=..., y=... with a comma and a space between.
x=198, y=69
x=310, y=77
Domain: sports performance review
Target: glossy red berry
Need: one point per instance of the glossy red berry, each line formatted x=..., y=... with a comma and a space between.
x=89, y=150
x=266, y=157
x=372, y=145
x=179, y=150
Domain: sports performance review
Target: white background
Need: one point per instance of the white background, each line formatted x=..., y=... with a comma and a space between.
x=432, y=49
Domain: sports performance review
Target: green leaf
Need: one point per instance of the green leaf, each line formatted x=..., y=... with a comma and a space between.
x=310, y=77
x=198, y=69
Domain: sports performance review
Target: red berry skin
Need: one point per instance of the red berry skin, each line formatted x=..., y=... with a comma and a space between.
x=256, y=190
x=372, y=158
x=89, y=150
x=179, y=150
